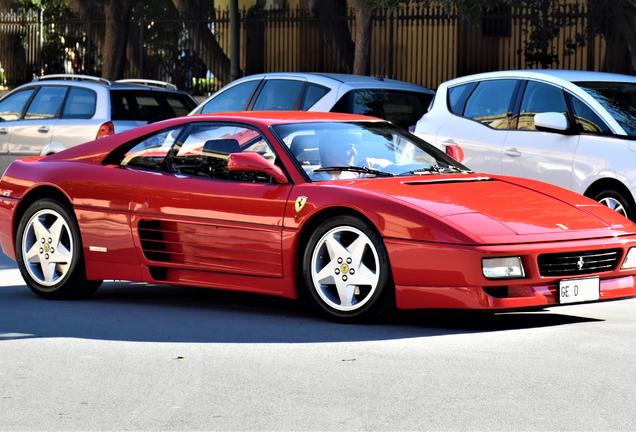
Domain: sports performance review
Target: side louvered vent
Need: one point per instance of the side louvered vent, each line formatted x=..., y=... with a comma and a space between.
x=153, y=240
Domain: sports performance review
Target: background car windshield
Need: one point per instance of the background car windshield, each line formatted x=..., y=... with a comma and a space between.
x=374, y=145
x=619, y=99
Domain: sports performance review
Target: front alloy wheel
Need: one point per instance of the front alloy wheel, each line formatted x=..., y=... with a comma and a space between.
x=346, y=269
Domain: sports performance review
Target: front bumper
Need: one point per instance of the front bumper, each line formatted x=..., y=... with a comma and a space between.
x=7, y=211
x=439, y=276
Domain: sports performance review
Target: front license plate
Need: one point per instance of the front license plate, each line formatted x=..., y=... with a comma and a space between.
x=579, y=290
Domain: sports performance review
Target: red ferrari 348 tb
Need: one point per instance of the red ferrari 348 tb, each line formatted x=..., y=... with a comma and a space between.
x=352, y=211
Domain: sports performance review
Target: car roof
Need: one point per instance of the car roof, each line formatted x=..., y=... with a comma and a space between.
x=549, y=75
x=268, y=118
x=353, y=81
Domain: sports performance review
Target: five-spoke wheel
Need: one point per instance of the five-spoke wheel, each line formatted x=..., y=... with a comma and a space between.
x=346, y=269
x=47, y=247
x=49, y=251
x=616, y=201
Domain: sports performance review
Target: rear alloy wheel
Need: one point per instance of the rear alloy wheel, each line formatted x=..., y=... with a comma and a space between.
x=616, y=201
x=49, y=252
x=346, y=270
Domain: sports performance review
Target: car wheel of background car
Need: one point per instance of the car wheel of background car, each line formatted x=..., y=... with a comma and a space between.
x=49, y=252
x=616, y=201
x=346, y=270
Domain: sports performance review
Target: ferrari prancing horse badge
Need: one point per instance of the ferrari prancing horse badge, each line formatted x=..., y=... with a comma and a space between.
x=300, y=203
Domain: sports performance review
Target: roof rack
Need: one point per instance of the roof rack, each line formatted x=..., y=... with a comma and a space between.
x=150, y=83
x=73, y=77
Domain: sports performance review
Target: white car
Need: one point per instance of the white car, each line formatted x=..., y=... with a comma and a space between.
x=397, y=101
x=574, y=129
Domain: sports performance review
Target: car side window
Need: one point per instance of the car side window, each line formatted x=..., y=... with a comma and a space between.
x=490, y=103
x=80, y=104
x=313, y=94
x=206, y=149
x=235, y=98
x=458, y=95
x=150, y=153
x=587, y=121
x=539, y=98
x=280, y=95
x=12, y=106
x=46, y=103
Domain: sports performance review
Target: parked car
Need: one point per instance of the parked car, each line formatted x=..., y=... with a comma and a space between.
x=376, y=216
x=55, y=112
x=570, y=128
x=399, y=102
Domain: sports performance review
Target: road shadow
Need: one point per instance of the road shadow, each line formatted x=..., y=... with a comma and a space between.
x=6, y=262
x=139, y=312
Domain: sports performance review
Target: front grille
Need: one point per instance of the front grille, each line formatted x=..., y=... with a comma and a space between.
x=578, y=263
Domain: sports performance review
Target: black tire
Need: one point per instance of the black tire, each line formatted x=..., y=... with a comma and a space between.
x=626, y=202
x=73, y=284
x=379, y=302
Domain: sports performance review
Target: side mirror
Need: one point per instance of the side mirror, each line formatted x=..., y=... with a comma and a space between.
x=455, y=152
x=254, y=162
x=551, y=122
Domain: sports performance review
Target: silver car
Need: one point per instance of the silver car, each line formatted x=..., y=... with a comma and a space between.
x=399, y=102
x=55, y=112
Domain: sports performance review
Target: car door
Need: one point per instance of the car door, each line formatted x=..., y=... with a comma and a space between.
x=11, y=109
x=482, y=115
x=199, y=216
x=34, y=131
x=539, y=155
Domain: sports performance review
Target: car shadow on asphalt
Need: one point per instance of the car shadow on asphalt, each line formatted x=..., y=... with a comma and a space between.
x=139, y=312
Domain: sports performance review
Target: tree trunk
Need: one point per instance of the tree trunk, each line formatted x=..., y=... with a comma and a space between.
x=116, y=15
x=362, y=58
x=335, y=36
x=205, y=44
x=12, y=54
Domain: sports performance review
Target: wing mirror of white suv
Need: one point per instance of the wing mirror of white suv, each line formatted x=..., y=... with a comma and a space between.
x=551, y=122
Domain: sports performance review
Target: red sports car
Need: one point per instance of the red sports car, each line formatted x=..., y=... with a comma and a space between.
x=352, y=212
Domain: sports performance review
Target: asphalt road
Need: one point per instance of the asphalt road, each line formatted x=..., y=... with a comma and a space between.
x=142, y=357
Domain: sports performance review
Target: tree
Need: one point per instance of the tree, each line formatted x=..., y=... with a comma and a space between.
x=195, y=12
x=116, y=14
x=12, y=53
x=616, y=21
x=333, y=28
x=364, y=16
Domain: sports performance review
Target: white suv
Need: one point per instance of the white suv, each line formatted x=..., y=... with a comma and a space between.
x=571, y=128
x=55, y=112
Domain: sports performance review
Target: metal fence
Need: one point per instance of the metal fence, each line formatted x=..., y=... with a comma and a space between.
x=422, y=44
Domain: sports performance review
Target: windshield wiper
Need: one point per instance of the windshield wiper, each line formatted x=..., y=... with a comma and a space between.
x=357, y=169
x=436, y=169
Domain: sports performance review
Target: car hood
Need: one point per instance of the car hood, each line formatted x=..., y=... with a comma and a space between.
x=494, y=209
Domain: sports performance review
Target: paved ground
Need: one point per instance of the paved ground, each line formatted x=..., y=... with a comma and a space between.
x=139, y=357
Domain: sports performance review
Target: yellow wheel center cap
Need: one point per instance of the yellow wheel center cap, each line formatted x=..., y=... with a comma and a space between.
x=47, y=248
x=344, y=268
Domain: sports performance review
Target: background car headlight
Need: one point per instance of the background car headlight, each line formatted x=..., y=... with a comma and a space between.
x=502, y=268
x=630, y=259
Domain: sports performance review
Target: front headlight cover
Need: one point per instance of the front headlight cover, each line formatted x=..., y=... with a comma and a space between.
x=630, y=260
x=502, y=268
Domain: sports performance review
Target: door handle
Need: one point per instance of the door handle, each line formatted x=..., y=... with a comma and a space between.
x=43, y=129
x=3, y=131
x=512, y=152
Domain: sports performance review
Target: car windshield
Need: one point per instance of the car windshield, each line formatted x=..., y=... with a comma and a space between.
x=619, y=99
x=345, y=150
